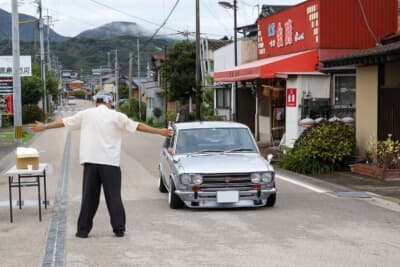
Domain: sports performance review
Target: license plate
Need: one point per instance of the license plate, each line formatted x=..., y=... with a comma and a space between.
x=227, y=196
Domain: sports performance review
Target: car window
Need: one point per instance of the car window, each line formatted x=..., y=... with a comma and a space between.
x=214, y=140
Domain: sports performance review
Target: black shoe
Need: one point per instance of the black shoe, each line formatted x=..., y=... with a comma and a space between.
x=119, y=233
x=81, y=235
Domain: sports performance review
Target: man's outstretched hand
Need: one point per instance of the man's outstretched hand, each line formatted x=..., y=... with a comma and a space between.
x=37, y=127
x=166, y=132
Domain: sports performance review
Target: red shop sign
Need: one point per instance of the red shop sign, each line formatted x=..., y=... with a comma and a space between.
x=291, y=97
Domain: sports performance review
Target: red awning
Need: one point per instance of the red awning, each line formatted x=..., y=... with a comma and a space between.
x=305, y=61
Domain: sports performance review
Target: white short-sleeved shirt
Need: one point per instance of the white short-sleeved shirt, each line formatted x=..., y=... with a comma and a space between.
x=101, y=134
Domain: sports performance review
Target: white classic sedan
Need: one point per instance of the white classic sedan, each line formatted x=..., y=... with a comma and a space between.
x=215, y=165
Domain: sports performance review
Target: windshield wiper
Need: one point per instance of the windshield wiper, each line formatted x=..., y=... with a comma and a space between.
x=239, y=149
x=208, y=151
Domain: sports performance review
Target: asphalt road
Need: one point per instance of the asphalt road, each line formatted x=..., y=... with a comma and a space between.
x=309, y=226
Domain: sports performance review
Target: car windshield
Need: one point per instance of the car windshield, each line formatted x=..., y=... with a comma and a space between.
x=208, y=140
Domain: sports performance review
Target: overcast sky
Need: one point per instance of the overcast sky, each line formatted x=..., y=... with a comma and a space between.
x=74, y=16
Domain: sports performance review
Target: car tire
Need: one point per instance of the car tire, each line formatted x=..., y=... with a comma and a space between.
x=271, y=200
x=161, y=185
x=173, y=199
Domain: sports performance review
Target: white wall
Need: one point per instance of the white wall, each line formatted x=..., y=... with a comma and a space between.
x=318, y=86
x=265, y=129
x=224, y=57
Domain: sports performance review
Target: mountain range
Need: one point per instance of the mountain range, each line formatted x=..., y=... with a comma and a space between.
x=88, y=49
x=30, y=31
x=27, y=32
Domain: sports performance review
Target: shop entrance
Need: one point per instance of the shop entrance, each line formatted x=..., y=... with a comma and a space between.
x=246, y=108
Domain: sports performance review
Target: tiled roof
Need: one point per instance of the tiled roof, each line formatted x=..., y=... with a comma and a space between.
x=215, y=44
x=375, y=55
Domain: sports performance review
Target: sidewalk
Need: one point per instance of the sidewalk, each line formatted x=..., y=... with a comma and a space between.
x=388, y=189
x=349, y=181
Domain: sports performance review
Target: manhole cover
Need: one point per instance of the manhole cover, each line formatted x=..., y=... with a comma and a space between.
x=353, y=194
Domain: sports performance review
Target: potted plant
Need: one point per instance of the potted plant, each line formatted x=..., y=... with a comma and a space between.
x=383, y=160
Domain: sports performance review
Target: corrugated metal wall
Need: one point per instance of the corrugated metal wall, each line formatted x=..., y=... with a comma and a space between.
x=342, y=23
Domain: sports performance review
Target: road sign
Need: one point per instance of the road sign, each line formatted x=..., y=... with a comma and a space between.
x=6, y=66
x=6, y=85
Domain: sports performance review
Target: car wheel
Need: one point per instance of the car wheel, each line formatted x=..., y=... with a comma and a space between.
x=271, y=200
x=173, y=200
x=161, y=185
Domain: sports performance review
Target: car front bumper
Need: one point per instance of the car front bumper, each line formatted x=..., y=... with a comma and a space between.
x=248, y=198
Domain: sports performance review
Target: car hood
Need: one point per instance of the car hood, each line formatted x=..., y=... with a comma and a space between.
x=223, y=163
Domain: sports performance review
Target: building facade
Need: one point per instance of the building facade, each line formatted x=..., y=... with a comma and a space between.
x=286, y=82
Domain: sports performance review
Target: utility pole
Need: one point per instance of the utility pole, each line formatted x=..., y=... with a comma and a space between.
x=48, y=41
x=101, y=78
x=42, y=62
x=198, y=80
x=138, y=71
x=108, y=60
x=116, y=77
x=166, y=90
x=130, y=78
x=16, y=74
x=236, y=116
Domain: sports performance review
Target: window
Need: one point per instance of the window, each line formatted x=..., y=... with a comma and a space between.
x=215, y=139
x=150, y=103
x=223, y=97
x=345, y=90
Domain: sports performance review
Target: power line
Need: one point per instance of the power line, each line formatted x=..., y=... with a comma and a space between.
x=129, y=15
x=165, y=21
x=216, y=18
x=145, y=20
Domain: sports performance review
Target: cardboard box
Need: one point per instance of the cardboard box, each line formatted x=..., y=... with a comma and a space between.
x=27, y=156
x=23, y=161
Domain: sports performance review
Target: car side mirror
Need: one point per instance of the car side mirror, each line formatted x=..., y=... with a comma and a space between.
x=269, y=158
x=175, y=159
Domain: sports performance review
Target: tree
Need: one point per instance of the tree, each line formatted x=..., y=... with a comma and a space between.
x=31, y=87
x=179, y=70
x=51, y=84
x=123, y=91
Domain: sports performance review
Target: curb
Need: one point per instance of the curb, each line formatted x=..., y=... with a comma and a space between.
x=392, y=203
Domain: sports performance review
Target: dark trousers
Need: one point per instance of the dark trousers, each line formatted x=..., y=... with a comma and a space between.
x=95, y=175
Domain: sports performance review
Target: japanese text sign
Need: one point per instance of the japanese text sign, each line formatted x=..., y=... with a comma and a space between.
x=291, y=97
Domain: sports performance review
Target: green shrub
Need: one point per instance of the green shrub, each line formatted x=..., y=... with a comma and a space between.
x=385, y=154
x=157, y=112
x=150, y=121
x=321, y=148
x=124, y=108
x=299, y=162
x=171, y=115
x=131, y=109
x=31, y=113
x=7, y=121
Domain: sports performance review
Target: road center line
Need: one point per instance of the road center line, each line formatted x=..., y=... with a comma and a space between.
x=302, y=184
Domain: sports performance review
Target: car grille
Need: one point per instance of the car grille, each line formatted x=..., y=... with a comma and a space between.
x=220, y=182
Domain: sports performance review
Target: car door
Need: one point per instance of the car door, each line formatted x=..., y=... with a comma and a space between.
x=167, y=159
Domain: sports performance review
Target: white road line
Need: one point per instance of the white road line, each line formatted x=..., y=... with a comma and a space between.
x=302, y=184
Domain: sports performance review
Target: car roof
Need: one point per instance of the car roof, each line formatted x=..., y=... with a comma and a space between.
x=208, y=124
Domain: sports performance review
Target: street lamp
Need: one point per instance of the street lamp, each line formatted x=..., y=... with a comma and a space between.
x=233, y=6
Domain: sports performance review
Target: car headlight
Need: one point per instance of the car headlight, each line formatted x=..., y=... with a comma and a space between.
x=185, y=179
x=255, y=178
x=267, y=177
x=197, y=179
